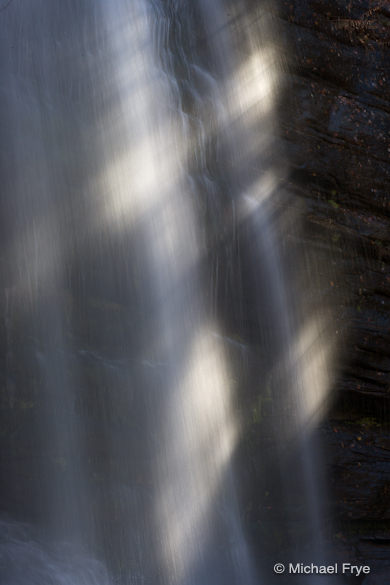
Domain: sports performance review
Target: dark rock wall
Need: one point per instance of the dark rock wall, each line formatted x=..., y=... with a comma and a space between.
x=336, y=130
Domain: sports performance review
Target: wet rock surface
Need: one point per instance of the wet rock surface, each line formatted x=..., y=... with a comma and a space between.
x=338, y=140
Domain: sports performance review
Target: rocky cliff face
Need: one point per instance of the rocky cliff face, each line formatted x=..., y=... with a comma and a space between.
x=337, y=133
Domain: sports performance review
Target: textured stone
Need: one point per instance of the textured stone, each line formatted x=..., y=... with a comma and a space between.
x=338, y=142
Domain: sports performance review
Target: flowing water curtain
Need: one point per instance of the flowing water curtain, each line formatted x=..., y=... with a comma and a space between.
x=149, y=185
x=39, y=236
x=296, y=348
x=171, y=123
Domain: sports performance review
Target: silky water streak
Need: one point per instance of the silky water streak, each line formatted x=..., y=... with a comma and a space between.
x=198, y=534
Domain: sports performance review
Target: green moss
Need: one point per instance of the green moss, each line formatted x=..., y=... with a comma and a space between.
x=26, y=404
x=60, y=462
x=369, y=421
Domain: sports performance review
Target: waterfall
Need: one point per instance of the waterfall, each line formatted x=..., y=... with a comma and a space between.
x=143, y=220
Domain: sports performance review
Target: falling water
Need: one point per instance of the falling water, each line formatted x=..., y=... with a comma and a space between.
x=141, y=187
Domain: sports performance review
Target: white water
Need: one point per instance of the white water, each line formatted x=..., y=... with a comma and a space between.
x=197, y=430
x=125, y=122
